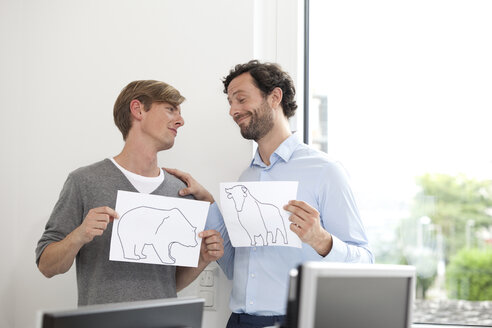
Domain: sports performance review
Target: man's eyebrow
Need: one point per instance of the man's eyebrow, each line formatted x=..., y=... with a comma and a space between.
x=236, y=92
x=233, y=94
x=171, y=106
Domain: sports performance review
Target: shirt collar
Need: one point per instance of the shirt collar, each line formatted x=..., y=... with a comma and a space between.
x=284, y=151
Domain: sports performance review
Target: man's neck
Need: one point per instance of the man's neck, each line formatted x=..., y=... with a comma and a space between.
x=269, y=143
x=138, y=159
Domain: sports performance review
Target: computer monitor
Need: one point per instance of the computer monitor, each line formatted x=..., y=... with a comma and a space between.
x=163, y=313
x=344, y=295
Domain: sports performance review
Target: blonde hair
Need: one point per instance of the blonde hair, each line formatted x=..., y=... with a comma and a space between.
x=147, y=92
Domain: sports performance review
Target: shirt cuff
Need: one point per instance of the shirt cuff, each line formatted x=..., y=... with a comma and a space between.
x=338, y=251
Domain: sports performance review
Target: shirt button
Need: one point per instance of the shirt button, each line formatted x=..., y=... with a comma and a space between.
x=254, y=248
x=252, y=275
x=250, y=302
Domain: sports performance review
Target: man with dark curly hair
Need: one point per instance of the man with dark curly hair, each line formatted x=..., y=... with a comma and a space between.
x=324, y=216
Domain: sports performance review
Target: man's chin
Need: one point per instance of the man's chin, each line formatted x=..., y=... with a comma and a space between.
x=247, y=135
x=167, y=146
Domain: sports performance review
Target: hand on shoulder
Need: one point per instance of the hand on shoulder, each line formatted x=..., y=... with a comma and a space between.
x=193, y=187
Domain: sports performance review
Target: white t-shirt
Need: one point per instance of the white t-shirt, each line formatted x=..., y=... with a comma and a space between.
x=145, y=185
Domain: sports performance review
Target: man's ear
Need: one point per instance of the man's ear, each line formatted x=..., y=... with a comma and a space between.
x=276, y=97
x=136, y=108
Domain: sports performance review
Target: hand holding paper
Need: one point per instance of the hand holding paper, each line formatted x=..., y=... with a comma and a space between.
x=254, y=215
x=306, y=224
x=95, y=223
x=157, y=229
x=212, y=247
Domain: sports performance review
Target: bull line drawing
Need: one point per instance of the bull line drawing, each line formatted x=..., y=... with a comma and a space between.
x=159, y=228
x=259, y=220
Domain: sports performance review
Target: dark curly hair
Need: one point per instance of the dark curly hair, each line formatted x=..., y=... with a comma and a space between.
x=267, y=76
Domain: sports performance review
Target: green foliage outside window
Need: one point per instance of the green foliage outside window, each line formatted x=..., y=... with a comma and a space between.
x=445, y=216
x=469, y=275
x=452, y=203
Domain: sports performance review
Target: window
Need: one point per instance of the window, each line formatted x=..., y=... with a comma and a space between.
x=401, y=93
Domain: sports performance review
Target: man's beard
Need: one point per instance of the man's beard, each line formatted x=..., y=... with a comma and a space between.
x=260, y=123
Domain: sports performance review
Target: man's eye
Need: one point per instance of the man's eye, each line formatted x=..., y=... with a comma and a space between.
x=241, y=100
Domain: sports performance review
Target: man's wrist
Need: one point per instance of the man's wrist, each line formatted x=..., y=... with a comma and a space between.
x=209, y=198
x=75, y=239
x=202, y=263
x=325, y=244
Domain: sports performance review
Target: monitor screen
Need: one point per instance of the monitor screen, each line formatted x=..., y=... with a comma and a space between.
x=163, y=313
x=343, y=295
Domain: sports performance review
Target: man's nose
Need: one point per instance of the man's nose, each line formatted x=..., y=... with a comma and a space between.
x=180, y=121
x=234, y=110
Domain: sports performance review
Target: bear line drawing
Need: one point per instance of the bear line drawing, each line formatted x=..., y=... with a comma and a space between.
x=259, y=220
x=159, y=227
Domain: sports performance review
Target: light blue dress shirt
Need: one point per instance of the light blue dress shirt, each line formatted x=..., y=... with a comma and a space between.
x=260, y=274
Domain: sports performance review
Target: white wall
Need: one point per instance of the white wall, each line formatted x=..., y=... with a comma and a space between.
x=62, y=65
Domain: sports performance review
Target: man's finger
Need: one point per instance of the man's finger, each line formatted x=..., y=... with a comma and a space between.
x=213, y=244
x=179, y=174
x=214, y=247
x=296, y=220
x=208, y=233
x=294, y=210
x=211, y=240
x=185, y=192
x=103, y=218
x=295, y=228
x=172, y=171
x=215, y=253
x=303, y=205
x=97, y=232
x=106, y=210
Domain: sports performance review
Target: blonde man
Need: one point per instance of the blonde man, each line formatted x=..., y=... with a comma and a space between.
x=148, y=114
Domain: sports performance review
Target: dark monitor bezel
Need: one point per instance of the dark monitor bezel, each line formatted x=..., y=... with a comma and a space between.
x=159, y=313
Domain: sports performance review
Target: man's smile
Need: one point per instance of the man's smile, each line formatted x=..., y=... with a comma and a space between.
x=175, y=131
x=241, y=118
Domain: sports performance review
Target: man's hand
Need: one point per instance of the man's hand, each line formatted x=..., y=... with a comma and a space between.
x=212, y=247
x=307, y=225
x=58, y=256
x=94, y=224
x=194, y=188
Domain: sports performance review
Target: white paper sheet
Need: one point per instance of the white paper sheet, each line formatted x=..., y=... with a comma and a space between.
x=157, y=229
x=254, y=215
